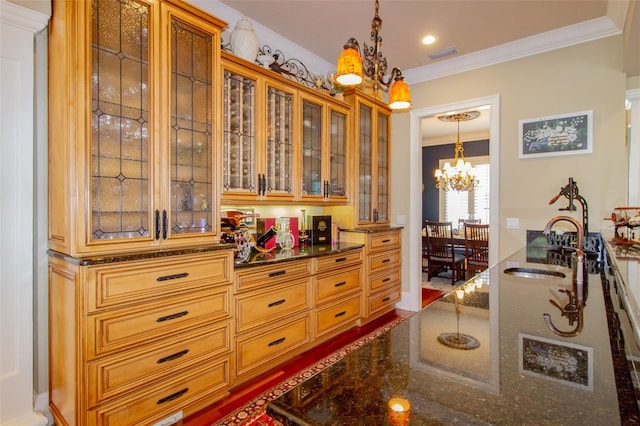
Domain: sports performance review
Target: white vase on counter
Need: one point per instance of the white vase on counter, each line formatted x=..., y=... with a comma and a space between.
x=244, y=41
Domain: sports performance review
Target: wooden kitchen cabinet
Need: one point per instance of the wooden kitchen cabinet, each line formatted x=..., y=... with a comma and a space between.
x=371, y=179
x=137, y=339
x=338, y=297
x=325, y=150
x=258, y=134
x=282, y=141
x=272, y=320
x=382, y=266
x=133, y=110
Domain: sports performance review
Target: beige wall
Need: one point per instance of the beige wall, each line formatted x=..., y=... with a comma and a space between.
x=572, y=79
x=42, y=6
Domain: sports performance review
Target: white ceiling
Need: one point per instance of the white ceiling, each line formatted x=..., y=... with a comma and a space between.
x=323, y=26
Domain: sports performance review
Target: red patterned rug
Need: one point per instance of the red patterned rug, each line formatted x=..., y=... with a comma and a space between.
x=253, y=413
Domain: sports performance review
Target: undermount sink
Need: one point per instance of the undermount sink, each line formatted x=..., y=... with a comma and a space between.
x=539, y=274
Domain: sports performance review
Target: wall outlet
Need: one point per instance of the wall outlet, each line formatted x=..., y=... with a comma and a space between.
x=512, y=264
x=401, y=219
x=513, y=223
x=167, y=421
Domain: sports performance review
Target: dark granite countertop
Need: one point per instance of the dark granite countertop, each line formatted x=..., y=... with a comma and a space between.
x=520, y=373
x=306, y=251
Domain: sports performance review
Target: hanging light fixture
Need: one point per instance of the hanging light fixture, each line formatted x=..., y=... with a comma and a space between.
x=351, y=70
x=462, y=177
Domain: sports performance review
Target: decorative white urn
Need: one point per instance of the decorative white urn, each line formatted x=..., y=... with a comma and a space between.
x=244, y=41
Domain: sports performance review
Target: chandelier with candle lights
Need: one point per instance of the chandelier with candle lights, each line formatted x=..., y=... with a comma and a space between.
x=462, y=176
x=351, y=70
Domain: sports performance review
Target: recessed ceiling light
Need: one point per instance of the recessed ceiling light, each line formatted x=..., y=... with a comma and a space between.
x=429, y=40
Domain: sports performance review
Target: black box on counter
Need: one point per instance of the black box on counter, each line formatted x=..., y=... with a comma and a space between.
x=320, y=230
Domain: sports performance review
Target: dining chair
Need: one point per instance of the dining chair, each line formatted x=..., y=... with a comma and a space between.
x=476, y=239
x=440, y=253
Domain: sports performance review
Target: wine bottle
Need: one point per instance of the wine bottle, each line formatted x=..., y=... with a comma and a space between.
x=264, y=238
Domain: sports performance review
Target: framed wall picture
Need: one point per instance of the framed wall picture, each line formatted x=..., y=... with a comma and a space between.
x=564, y=134
x=561, y=362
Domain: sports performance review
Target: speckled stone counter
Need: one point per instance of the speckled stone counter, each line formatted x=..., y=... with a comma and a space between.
x=521, y=372
x=279, y=255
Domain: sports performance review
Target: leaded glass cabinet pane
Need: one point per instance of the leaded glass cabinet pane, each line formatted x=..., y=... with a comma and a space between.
x=191, y=129
x=365, y=164
x=312, y=125
x=338, y=154
x=239, y=141
x=279, y=149
x=119, y=163
x=382, y=190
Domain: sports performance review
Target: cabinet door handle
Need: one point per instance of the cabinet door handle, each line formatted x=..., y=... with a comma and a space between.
x=326, y=189
x=386, y=299
x=276, y=273
x=341, y=259
x=165, y=224
x=339, y=314
x=276, y=303
x=386, y=261
x=340, y=284
x=172, y=277
x=386, y=279
x=157, y=224
x=172, y=356
x=263, y=184
x=172, y=396
x=277, y=342
x=172, y=316
x=385, y=241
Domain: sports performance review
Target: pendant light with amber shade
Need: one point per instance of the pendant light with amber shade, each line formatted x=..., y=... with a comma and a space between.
x=351, y=70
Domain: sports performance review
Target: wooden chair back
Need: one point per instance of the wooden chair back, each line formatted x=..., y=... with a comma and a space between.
x=476, y=237
x=439, y=250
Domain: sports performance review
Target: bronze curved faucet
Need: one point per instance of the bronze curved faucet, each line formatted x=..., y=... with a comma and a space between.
x=577, y=300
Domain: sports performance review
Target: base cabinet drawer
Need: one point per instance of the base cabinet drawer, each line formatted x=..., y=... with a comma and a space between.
x=262, y=276
x=379, y=262
x=384, y=241
x=121, y=329
x=333, y=317
x=272, y=304
x=339, y=284
x=115, y=375
x=155, y=403
x=386, y=279
x=384, y=301
x=258, y=349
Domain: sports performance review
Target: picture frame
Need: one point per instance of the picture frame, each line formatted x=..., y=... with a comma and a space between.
x=563, y=134
x=562, y=362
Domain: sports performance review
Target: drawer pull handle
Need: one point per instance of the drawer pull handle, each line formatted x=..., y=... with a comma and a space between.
x=386, y=299
x=276, y=303
x=172, y=396
x=385, y=241
x=172, y=316
x=341, y=259
x=277, y=342
x=386, y=260
x=386, y=279
x=276, y=273
x=339, y=314
x=340, y=284
x=173, y=356
x=172, y=277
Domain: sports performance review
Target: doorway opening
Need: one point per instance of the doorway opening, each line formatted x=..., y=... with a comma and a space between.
x=416, y=185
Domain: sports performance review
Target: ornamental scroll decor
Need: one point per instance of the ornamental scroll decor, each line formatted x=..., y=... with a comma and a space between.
x=293, y=69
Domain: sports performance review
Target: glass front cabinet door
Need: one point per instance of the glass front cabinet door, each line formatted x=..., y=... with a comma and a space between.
x=144, y=174
x=258, y=133
x=372, y=135
x=324, y=151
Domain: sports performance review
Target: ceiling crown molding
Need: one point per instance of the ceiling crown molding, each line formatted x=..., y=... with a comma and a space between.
x=551, y=40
